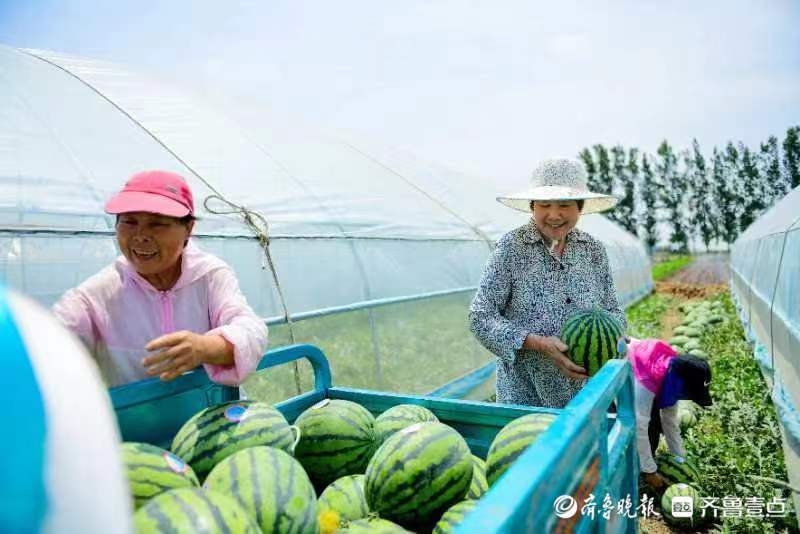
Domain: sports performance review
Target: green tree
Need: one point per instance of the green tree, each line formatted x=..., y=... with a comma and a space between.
x=753, y=188
x=791, y=156
x=622, y=187
x=701, y=197
x=603, y=183
x=732, y=207
x=648, y=204
x=777, y=185
x=722, y=200
x=585, y=156
x=672, y=195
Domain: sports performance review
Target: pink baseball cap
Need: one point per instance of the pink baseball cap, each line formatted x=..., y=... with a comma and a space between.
x=162, y=192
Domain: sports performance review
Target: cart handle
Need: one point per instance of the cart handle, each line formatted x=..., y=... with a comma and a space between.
x=318, y=361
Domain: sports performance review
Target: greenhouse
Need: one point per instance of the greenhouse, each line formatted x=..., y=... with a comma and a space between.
x=765, y=282
x=373, y=255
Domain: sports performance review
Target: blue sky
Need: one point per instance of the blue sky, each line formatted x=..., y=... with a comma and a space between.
x=485, y=87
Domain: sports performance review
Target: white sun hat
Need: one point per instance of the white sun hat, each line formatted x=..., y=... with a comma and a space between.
x=559, y=179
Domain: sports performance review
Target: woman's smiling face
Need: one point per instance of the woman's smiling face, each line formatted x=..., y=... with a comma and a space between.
x=555, y=218
x=152, y=243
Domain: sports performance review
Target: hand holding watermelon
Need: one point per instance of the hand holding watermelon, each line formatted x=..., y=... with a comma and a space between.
x=555, y=349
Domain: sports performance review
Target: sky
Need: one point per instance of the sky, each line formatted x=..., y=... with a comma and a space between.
x=484, y=87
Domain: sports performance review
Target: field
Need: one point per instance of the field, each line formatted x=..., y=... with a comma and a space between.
x=734, y=441
x=738, y=438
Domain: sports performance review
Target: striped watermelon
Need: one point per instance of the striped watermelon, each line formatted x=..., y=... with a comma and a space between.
x=512, y=440
x=345, y=496
x=592, y=338
x=479, y=485
x=372, y=525
x=337, y=439
x=418, y=473
x=675, y=472
x=687, y=419
x=681, y=490
x=399, y=417
x=152, y=470
x=272, y=487
x=454, y=516
x=215, y=433
x=193, y=511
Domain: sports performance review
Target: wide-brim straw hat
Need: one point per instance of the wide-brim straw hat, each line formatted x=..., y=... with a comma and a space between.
x=559, y=179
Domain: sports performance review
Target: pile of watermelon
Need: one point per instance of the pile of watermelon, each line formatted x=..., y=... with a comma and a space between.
x=337, y=469
x=700, y=316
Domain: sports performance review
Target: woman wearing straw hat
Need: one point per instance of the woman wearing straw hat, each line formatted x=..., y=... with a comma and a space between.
x=538, y=275
x=164, y=306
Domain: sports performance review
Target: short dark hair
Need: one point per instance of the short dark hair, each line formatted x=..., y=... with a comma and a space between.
x=579, y=202
x=185, y=220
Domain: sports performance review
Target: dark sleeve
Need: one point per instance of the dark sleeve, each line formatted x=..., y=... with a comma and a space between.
x=486, y=321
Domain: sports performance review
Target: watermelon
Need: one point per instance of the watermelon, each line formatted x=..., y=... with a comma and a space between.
x=479, y=485
x=680, y=330
x=592, y=338
x=681, y=490
x=337, y=438
x=454, y=516
x=418, y=473
x=399, y=417
x=687, y=419
x=345, y=496
x=193, y=511
x=271, y=486
x=215, y=433
x=692, y=345
x=152, y=470
x=699, y=353
x=689, y=406
x=675, y=472
x=372, y=525
x=679, y=340
x=512, y=440
x=689, y=331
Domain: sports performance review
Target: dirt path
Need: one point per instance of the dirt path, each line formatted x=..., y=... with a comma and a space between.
x=705, y=269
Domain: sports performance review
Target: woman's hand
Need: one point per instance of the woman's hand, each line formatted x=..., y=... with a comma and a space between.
x=182, y=351
x=555, y=349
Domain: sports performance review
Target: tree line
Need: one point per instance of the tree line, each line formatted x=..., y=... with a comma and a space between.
x=707, y=200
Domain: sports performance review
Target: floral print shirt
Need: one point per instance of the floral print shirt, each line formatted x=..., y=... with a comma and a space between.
x=527, y=289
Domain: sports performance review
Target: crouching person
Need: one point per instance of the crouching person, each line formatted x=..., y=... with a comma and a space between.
x=662, y=377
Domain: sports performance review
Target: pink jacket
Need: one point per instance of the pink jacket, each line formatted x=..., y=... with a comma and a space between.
x=650, y=361
x=116, y=313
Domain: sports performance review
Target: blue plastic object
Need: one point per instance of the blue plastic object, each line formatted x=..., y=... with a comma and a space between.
x=584, y=452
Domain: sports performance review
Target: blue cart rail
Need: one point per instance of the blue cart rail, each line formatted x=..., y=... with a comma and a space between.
x=584, y=452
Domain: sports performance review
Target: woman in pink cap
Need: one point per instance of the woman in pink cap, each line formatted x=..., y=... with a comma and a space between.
x=164, y=306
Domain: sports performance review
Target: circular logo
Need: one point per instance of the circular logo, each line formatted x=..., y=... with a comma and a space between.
x=175, y=463
x=565, y=506
x=235, y=413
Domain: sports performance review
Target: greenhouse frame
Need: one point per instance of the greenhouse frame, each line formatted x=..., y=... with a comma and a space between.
x=376, y=253
x=765, y=284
